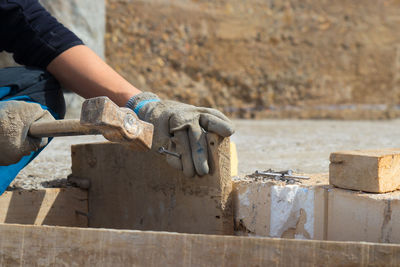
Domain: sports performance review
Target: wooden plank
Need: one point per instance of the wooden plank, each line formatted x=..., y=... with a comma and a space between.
x=376, y=171
x=23, y=245
x=52, y=206
x=139, y=190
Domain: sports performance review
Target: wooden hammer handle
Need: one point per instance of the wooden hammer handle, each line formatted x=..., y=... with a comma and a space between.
x=60, y=128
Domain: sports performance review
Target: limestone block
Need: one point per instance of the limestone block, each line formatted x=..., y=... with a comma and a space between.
x=234, y=160
x=370, y=170
x=357, y=216
x=251, y=202
x=139, y=190
x=320, y=212
x=51, y=206
x=287, y=211
x=27, y=245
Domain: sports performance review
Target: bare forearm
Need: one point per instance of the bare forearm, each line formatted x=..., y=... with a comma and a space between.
x=80, y=70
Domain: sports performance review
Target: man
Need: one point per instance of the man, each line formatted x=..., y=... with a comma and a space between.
x=54, y=55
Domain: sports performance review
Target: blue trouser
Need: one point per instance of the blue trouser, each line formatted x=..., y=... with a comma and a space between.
x=30, y=85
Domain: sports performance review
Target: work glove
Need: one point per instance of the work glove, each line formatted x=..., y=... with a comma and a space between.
x=181, y=128
x=15, y=120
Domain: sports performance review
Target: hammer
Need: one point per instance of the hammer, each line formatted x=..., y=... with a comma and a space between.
x=101, y=116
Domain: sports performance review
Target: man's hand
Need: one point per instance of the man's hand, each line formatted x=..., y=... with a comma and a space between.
x=181, y=128
x=15, y=120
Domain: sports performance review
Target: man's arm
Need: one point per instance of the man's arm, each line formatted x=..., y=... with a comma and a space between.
x=37, y=39
x=80, y=70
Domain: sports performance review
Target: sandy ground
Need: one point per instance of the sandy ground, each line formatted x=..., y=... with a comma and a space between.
x=300, y=145
x=53, y=165
x=305, y=145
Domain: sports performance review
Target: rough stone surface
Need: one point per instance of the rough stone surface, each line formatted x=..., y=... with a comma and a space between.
x=55, y=206
x=314, y=211
x=271, y=208
x=243, y=56
x=52, y=167
x=139, y=190
x=66, y=246
x=357, y=216
x=376, y=171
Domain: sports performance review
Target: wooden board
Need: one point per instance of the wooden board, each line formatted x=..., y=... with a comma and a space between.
x=376, y=171
x=139, y=190
x=23, y=245
x=52, y=206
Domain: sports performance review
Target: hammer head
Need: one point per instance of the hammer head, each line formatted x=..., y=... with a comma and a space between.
x=116, y=124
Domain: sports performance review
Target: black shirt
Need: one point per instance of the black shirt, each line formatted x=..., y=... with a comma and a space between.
x=29, y=32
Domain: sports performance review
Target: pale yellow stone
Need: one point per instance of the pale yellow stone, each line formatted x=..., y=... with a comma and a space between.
x=376, y=171
x=336, y=214
x=358, y=216
x=234, y=160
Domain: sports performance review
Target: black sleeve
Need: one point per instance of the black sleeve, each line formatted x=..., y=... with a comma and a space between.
x=29, y=32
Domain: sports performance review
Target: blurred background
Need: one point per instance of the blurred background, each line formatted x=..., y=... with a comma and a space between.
x=263, y=58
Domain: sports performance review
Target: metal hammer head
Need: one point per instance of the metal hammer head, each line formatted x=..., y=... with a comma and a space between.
x=116, y=124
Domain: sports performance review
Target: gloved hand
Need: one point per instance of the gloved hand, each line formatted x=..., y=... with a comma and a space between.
x=181, y=128
x=15, y=120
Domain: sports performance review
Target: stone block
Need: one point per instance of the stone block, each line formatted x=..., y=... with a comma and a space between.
x=51, y=206
x=273, y=210
x=375, y=171
x=27, y=245
x=252, y=202
x=139, y=190
x=320, y=212
x=357, y=216
x=234, y=160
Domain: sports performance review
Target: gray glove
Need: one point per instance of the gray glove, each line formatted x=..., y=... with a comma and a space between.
x=15, y=120
x=181, y=128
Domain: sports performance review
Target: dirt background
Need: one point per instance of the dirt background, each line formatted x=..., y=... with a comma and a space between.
x=304, y=59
